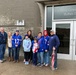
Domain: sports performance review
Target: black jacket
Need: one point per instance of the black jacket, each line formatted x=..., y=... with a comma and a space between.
x=3, y=38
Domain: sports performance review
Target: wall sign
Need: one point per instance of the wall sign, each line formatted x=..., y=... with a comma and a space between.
x=19, y=22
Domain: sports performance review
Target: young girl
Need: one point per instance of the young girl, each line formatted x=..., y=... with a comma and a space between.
x=27, y=48
x=35, y=50
x=10, y=51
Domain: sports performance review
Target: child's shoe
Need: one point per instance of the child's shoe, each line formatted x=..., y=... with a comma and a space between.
x=27, y=62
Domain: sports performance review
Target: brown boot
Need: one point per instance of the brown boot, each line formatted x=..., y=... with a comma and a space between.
x=12, y=59
x=9, y=59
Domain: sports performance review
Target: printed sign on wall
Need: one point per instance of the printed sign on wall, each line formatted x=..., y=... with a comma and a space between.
x=19, y=22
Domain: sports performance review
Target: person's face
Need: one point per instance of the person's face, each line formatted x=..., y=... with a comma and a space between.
x=29, y=33
x=9, y=34
x=45, y=33
x=39, y=35
x=52, y=33
x=35, y=41
x=17, y=33
x=26, y=37
x=2, y=30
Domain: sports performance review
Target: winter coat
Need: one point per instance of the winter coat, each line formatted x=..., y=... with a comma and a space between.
x=41, y=44
x=53, y=42
x=35, y=47
x=27, y=45
x=46, y=42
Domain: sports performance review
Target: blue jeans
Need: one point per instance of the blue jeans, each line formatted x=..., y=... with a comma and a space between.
x=50, y=52
x=10, y=52
x=46, y=57
x=35, y=58
x=2, y=51
x=40, y=57
x=16, y=53
x=55, y=64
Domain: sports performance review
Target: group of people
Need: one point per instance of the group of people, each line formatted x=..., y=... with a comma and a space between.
x=37, y=49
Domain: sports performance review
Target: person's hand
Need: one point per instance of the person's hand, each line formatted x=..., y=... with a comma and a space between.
x=16, y=45
x=46, y=50
x=54, y=48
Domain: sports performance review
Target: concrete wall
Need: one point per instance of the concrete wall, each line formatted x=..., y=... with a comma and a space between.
x=27, y=10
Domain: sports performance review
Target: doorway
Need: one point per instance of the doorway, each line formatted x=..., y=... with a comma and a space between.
x=66, y=32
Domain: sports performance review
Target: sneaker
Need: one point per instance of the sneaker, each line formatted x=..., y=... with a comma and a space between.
x=41, y=65
x=4, y=59
x=27, y=62
x=1, y=61
x=38, y=64
x=56, y=68
x=46, y=65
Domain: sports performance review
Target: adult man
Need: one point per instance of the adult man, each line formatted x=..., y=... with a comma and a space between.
x=3, y=41
x=16, y=43
x=53, y=46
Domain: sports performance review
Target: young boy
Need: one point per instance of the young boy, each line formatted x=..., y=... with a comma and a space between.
x=35, y=50
x=27, y=48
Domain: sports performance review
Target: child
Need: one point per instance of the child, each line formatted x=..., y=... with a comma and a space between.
x=27, y=47
x=10, y=51
x=35, y=50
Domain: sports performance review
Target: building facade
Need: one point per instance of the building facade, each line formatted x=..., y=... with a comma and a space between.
x=60, y=15
x=37, y=15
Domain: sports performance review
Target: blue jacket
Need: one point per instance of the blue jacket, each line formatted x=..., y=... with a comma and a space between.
x=53, y=42
x=16, y=40
x=41, y=44
x=27, y=45
x=46, y=44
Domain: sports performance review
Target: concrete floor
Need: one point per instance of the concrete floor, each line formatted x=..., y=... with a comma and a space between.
x=65, y=67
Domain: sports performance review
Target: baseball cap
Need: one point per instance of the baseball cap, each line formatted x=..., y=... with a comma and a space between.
x=17, y=30
x=51, y=30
